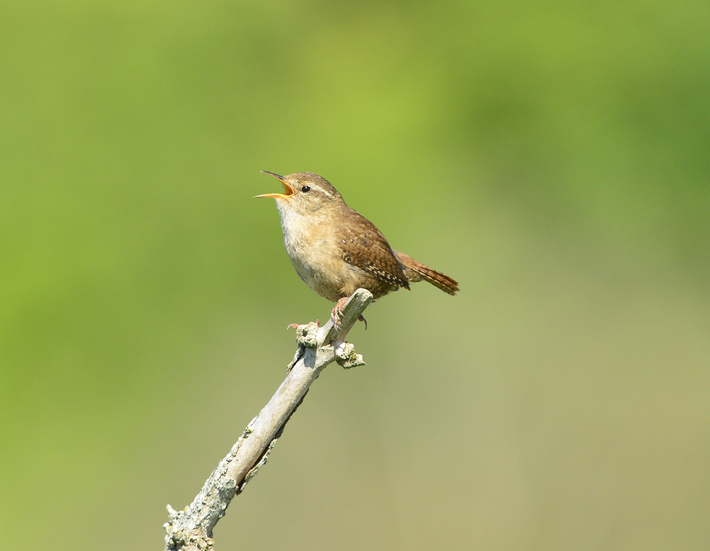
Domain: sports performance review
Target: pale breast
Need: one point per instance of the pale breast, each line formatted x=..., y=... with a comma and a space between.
x=315, y=254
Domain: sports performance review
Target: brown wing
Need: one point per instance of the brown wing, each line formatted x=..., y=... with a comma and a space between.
x=364, y=246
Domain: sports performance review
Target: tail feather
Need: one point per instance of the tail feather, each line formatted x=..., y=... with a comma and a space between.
x=416, y=271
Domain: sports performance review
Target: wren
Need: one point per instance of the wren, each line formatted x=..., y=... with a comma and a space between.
x=336, y=250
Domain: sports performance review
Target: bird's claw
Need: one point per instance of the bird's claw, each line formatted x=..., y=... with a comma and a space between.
x=337, y=311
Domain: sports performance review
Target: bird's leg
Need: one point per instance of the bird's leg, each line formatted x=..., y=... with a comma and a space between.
x=335, y=316
x=337, y=310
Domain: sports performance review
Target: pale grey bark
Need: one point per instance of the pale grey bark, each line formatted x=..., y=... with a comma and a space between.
x=191, y=528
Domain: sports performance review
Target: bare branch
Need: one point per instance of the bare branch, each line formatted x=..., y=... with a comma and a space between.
x=191, y=528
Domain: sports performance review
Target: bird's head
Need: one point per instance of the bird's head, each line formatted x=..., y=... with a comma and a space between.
x=305, y=193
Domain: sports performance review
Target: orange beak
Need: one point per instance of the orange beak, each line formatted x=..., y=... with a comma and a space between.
x=287, y=188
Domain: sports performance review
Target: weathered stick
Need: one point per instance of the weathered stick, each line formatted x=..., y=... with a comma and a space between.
x=191, y=528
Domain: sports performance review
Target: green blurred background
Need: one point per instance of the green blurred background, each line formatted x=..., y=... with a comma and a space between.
x=554, y=158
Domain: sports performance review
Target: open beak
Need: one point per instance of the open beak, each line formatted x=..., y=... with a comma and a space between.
x=288, y=190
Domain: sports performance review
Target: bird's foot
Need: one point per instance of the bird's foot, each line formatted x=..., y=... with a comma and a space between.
x=337, y=311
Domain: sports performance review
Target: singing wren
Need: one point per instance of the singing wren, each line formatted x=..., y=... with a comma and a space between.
x=336, y=250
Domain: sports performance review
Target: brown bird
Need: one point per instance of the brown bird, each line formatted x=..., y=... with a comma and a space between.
x=336, y=250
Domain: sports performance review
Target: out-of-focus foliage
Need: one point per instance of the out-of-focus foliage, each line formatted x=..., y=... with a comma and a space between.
x=553, y=157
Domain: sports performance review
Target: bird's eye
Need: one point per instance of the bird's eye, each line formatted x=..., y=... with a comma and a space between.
x=306, y=189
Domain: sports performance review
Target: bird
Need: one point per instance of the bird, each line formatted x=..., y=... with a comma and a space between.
x=336, y=250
